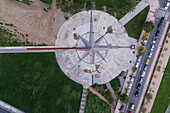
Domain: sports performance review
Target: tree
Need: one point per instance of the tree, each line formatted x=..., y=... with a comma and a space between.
x=145, y=35
x=141, y=50
x=134, y=69
x=149, y=26
x=148, y=96
x=124, y=98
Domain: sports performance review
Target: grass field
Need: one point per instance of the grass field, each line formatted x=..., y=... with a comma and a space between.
x=95, y=105
x=115, y=83
x=135, y=26
x=163, y=96
x=34, y=83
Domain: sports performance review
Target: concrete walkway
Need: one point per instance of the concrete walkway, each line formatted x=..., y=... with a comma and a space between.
x=140, y=6
x=157, y=76
x=9, y=108
x=168, y=109
x=83, y=100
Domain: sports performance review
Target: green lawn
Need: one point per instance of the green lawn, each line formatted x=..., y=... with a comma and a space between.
x=96, y=105
x=134, y=27
x=115, y=83
x=34, y=82
x=163, y=96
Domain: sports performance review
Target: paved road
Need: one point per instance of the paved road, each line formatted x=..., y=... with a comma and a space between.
x=3, y=111
x=135, y=100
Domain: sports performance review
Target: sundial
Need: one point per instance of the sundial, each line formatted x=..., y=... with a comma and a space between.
x=92, y=47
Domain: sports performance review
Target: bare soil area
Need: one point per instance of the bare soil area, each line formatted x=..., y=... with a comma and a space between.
x=32, y=20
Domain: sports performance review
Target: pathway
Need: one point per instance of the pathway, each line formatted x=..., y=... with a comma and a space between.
x=168, y=109
x=99, y=95
x=9, y=108
x=83, y=100
x=156, y=80
x=140, y=6
x=113, y=94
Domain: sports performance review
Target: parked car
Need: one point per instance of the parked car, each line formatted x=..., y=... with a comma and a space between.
x=145, y=67
x=132, y=79
x=150, y=54
x=139, y=86
x=146, y=39
x=137, y=64
x=167, y=5
x=136, y=93
x=143, y=74
x=154, y=40
x=130, y=86
x=162, y=19
x=157, y=33
x=140, y=80
x=122, y=107
x=152, y=47
x=147, y=61
x=132, y=107
x=138, y=60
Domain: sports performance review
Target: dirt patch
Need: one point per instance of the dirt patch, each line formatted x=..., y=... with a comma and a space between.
x=76, y=37
x=32, y=20
x=109, y=29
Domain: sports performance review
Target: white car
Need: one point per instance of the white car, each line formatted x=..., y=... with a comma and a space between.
x=131, y=79
x=167, y=5
x=130, y=86
x=150, y=54
x=154, y=40
x=137, y=64
x=143, y=74
x=152, y=47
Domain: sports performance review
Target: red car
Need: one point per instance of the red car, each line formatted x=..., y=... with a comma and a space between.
x=121, y=108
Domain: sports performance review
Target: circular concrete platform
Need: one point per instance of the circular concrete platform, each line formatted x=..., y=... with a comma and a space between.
x=100, y=63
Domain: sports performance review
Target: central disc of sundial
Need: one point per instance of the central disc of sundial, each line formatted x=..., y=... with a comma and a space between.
x=97, y=51
x=100, y=62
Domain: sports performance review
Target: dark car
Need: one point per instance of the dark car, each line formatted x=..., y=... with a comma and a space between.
x=136, y=93
x=157, y=33
x=138, y=87
x=122, y=107
x=145, y=67
x=154, y=40
x=162, y=19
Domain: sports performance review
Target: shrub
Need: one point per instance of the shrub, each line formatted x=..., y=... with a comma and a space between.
x=149, y=26
x=134, y=69
x=124, y=98
x=141, y=50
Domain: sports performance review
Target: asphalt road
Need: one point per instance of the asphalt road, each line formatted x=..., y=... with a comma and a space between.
x=134, y=100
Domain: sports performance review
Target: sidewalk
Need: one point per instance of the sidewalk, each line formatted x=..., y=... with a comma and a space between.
x=9, y=108
x=154, y=4
x=153, y=88
x=140, y=6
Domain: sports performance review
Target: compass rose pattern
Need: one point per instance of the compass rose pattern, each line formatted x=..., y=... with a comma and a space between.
x=109, y=48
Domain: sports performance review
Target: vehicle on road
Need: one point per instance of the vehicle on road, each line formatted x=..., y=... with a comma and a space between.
x=136, y=93
x=132, y=79
x=140, y=80
x=154, y=40
x=167, y=5
x=147, y=61
x=145, y=67
x=137, y=64
x=152, y=47
x=157, y=33
x=150, y=54
x=130, y=86
x=143, y=74
x=139, y=86
x=146, y=40
x=132, y=107
x=122, y=107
